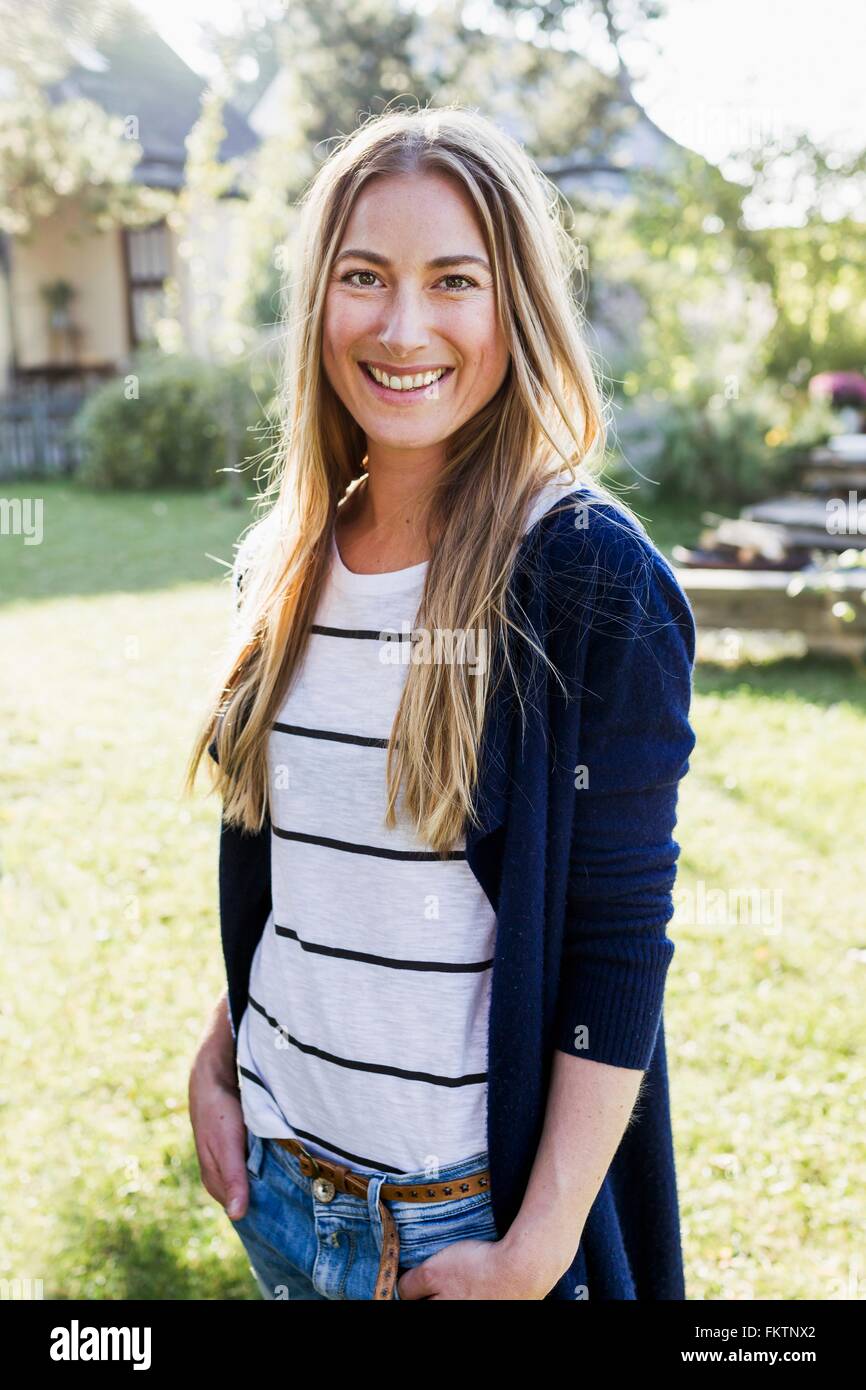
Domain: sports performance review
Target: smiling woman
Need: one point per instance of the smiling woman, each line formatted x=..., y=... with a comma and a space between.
x=445, y=967
x=393, y=334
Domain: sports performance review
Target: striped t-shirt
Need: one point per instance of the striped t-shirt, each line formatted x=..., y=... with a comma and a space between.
x=365, y=1034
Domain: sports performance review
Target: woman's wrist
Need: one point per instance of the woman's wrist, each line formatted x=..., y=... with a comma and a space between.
x=538, y=1248
x=215, y=1058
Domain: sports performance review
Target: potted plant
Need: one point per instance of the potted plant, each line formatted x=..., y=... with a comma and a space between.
x=58, y=295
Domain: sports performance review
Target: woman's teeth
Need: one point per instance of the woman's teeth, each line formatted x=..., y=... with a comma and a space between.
x=405, y=383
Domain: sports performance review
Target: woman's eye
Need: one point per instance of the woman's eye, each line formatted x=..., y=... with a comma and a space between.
x=349, y=278
x=467, y=283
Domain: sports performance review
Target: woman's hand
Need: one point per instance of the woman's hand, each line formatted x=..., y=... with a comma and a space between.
x=217, y=1120
x=478, y=1269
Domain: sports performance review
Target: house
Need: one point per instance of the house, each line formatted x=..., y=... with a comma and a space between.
x=599, y=173
x=75, y=300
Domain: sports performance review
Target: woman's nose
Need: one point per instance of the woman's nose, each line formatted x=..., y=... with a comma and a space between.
x=404, y=329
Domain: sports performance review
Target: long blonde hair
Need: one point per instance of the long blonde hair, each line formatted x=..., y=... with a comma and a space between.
x=545, y=420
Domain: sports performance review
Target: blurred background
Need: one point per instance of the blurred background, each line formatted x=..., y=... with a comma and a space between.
x=151, y=159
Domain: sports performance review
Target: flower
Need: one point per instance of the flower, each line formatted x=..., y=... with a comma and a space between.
x=843, y=388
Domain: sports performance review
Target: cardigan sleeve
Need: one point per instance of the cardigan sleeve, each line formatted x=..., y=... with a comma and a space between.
x=244, y=861
x=634, y=742
x=240, y=565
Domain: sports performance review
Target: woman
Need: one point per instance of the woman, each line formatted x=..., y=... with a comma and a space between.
x=448, y=743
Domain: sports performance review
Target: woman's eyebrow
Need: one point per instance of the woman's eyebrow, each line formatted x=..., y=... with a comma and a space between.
x=436, y=264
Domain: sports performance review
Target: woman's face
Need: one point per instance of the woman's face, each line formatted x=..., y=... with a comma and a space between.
x=411, y=293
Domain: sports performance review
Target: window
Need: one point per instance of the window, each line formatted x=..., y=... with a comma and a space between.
x=148, y=264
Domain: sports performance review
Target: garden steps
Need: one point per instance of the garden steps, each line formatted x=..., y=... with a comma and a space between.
x=776, y=566
x=808, y=602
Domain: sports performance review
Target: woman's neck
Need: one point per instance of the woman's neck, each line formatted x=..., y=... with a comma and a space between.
x=380, y=526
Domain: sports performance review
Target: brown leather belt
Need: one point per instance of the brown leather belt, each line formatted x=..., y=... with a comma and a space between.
x=331, y=1178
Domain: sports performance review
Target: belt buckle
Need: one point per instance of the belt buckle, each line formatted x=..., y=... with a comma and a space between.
x=323, y=1189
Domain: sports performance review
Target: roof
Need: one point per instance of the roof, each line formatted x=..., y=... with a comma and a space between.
x=137, y=73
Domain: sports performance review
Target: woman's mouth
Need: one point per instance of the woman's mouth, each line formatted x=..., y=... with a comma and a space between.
x=400, y=386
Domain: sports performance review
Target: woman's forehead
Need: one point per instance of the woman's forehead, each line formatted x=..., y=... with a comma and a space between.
x=425, y=204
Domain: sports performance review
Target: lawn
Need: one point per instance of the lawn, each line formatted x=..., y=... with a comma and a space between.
x=112, y=629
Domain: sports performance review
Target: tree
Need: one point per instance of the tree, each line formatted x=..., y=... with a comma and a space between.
x=49, y=150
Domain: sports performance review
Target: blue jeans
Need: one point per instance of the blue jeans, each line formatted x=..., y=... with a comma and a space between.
x=301, y=1247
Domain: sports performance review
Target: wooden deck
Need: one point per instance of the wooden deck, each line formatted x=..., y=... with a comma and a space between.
x=782, y=601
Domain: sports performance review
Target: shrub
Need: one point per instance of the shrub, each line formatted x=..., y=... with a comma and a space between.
x=734, y=451
x=170, y=422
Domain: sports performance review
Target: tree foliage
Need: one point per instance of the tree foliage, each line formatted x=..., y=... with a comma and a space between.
x=51, y=149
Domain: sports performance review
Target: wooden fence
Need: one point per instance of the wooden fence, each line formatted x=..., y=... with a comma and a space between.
x=35, y=435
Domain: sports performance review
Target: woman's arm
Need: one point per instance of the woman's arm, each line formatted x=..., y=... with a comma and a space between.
x=215, y=1109
x=216, y=1049
x=634, y=742
x=635, y=739
x=588, y=1109
x=216, y=1115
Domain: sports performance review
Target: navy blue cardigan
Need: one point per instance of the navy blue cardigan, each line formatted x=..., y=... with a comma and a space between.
x=577, y=802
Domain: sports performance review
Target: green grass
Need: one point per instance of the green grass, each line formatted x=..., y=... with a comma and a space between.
x=111, y=632
x=108, y=543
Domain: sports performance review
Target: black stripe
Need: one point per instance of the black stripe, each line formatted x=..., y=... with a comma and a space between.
x=302, y=732
x=472, y=1079
x=252, y=1077
x=314, y=1138
x=429, y=856
x=362, y=634
x=393, y=962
